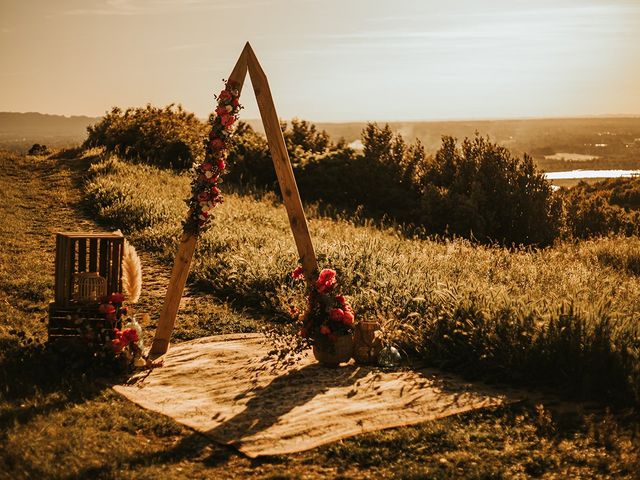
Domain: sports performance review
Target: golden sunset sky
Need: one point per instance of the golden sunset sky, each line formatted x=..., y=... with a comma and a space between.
x=327, y=60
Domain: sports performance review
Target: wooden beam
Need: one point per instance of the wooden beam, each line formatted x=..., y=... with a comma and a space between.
x=186, y=249
x=282, y=164
x=246, y=62
x=179, y=274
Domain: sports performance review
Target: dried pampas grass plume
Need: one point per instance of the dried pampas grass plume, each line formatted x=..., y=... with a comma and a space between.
x=131, y=273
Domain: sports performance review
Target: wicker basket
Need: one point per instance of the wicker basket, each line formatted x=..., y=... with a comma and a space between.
x=332, y=353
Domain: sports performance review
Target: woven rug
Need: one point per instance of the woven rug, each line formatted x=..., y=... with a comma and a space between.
x=228, y=388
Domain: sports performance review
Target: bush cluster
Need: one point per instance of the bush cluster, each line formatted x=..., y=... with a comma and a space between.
x=166, y=137
x=473, y=189
x=608, y=207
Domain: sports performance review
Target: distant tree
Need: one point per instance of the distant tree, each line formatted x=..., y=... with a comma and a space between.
x=480, y=190
x=169, y=136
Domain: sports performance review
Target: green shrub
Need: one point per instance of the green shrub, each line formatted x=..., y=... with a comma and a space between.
x=607, y=207
x=166, y=137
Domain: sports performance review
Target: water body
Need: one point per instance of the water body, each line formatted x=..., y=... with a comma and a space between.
x=577, y=174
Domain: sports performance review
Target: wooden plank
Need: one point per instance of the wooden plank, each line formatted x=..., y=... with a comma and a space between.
x=187, y=247
x=59, y=282
x=282, y=164
x=179, y=275
x=71, y=266
x=116, y=265
x=66, y=271
x=93, y=254
x=103, y=261
x=82, y=255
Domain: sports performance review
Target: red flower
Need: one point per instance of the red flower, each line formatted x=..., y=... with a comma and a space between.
x=217, y=144
x=336, y=314
x=227, y=120
x=215, y=191
x=130, y=335
x=116, y=298
x=348, y=317
x=235, y=102
x=221, y=164
x=298, y=273
x=107, y=308
x=326, y=280
x=117, y=345
x=225, y=95
x=206, y=166
x=213, y=179
x=221, y=110
x=325, y=330
x=341, y=300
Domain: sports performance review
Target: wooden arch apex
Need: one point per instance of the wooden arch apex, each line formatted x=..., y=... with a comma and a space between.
x=247, y=62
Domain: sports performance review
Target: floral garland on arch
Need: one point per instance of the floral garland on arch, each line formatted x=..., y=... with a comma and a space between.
x=205, y=194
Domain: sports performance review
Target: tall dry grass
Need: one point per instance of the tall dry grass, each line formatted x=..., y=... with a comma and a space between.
x=566, y=316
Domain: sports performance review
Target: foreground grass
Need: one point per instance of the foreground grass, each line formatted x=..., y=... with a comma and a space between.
x=568, y=317
x=57, y=421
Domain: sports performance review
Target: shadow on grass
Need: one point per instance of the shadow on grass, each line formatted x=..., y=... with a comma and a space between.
x=39, y=379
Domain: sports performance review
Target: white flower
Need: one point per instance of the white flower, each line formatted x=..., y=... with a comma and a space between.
x=208, y=174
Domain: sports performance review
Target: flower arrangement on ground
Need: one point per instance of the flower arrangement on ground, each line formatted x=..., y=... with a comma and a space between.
x=118, y=336
x=328, y=316
x=205, y=194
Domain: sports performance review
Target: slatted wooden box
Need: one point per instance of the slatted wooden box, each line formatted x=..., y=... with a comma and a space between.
x=78, y=253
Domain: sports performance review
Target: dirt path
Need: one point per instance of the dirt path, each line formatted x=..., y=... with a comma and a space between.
x=38, y=198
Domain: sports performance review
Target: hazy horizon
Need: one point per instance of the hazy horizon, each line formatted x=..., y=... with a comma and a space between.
x=329, y=61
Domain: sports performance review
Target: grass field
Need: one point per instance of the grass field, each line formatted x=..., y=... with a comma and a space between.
x=565, y=319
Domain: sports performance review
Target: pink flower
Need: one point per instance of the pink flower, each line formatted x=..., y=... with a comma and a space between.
x=348, y=317
x=116, y=298
x=326, y=280
x=217, y=144
x=324, y=330
x=298, y=273
x=227, y=120
x=336, y=314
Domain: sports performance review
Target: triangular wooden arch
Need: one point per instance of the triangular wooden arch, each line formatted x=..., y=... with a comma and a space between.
x=246, y=62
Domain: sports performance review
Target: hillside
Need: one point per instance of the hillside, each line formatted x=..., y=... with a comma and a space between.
x=555, y=144
x=18, y=131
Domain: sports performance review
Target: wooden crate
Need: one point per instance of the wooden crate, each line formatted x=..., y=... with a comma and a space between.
x=87, y=252
x=68, y=324
x=82, y=252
